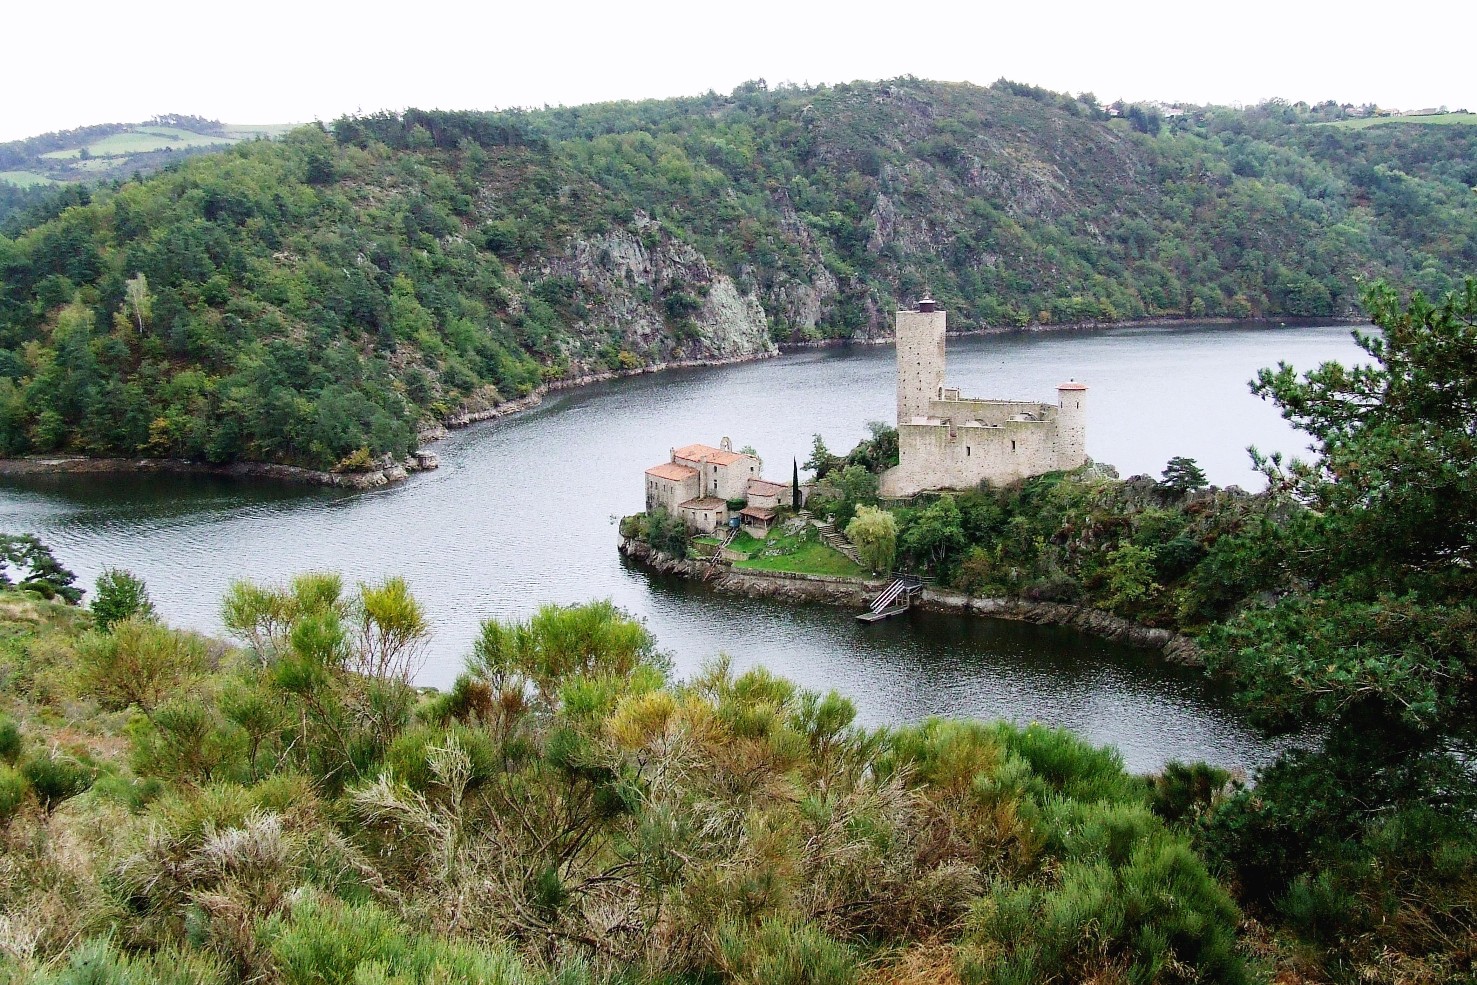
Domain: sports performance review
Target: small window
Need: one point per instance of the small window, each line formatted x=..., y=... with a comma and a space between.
x=1012, y=446
x=966, y=451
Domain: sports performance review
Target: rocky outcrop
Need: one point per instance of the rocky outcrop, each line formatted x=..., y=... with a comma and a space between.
x=789, y=586
x=856, y=592
x=660, y=296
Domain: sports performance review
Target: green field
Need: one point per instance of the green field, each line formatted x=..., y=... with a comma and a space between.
x=268, y=131
x=142, y=140
x=1439, y=119
x=25, y=179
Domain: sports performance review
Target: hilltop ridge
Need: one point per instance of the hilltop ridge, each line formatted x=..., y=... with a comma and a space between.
x=319, y=299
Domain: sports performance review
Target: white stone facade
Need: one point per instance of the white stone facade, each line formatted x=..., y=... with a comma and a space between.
x=946, y=441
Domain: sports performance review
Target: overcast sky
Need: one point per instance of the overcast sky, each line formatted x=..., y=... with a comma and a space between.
x=276, y=61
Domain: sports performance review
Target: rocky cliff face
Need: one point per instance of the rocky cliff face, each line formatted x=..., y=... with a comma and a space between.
x=658, y=299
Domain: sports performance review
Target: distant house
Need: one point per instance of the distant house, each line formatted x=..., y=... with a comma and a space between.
x=699, y=481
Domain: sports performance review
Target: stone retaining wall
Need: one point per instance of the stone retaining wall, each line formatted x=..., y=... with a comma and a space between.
x=857, y=593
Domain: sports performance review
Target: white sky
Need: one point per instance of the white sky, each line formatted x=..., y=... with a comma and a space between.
x=283, y=61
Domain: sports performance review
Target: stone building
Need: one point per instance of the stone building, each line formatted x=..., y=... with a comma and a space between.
x=763, y=494
x=947, y=441
x=699, y=481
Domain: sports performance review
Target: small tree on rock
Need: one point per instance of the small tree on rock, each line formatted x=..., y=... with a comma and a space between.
x=33, y=567
x=1182, y=475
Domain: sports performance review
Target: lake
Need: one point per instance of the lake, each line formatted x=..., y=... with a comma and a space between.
x=523, y=511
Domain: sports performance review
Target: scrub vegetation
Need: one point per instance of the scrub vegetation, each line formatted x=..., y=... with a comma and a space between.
x=293, y=810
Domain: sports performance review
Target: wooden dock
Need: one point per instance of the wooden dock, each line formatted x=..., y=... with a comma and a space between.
x=887, y=613
x=894, y=599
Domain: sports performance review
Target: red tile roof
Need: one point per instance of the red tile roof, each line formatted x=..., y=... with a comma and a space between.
x=1071, y=385
x=673, y=471
x=706, y=453
x=704, y=503
x=757, y=512
x=763, y=487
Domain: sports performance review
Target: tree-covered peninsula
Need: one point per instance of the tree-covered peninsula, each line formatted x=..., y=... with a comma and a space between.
x=321, y=299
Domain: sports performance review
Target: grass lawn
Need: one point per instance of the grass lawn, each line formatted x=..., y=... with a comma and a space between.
x=245, y=131
x=746, y=543
x=808, y=559
x=799, y=552
x=25, y=179
x=1440, y=119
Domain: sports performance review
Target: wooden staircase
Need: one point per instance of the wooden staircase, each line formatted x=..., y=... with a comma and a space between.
x=896, y=598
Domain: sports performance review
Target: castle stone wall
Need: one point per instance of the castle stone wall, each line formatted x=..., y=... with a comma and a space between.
x=920, y=361
x=943, y=456
x=946, y=441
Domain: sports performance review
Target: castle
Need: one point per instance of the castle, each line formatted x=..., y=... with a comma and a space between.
x=946, y=441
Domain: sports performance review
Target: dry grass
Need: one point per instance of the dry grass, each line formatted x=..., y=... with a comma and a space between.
x=929, y=963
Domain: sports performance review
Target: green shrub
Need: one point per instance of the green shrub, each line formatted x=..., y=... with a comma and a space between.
x=119, y=595
x=57, y=777
x=409, y=756
x=666, y=533
x=781, y=952
x=13, y=789
x=139, y=662
x=1156, y=915
x=320, y=942
x=1066, y=765
x=1184, y=792
x=188, y=740
x=11, y=741
x=100, y=962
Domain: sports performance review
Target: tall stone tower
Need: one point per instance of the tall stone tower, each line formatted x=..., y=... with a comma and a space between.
x=1071, y=424
x=920, y=359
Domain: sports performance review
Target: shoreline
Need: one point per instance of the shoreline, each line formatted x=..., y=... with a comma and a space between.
x=1164, y=321
x=839, y=590
x=390, y=471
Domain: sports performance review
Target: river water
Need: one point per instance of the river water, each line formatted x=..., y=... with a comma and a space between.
x=523, y=511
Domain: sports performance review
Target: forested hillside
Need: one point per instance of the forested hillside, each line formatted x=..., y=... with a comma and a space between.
x=317, y=300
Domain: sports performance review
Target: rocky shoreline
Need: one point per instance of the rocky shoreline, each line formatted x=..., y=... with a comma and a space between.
x=382, y=475
x=857, y=592
x=1089, y=326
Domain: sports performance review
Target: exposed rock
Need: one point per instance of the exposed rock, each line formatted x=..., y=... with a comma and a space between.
x=623, y=277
